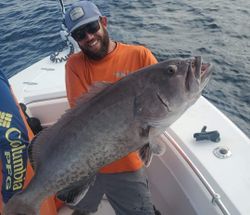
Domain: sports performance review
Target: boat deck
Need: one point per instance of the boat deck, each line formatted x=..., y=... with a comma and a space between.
x=103, y=209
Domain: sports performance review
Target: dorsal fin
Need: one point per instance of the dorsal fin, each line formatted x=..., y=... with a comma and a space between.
x=31, y=154
x=93, y=90
x=45, y=135
x=34, y=148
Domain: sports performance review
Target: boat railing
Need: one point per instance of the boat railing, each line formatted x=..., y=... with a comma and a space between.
x=216, y=198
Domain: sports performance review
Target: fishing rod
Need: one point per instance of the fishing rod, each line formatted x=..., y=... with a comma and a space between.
x=58, y=57
x=62, y=7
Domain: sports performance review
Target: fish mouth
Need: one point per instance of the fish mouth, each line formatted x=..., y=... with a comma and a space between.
x=202, y=69
x=198, y=71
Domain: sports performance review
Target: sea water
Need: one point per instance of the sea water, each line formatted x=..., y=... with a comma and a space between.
x=219, y=30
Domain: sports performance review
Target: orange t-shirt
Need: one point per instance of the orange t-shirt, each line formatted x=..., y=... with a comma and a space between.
x=82, y=72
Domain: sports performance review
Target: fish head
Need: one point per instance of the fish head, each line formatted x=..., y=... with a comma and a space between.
x=173, y=86
x=181, y=81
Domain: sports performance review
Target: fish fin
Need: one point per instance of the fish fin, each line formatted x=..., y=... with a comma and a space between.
x=37, y=143
x=31, y=153
x=156, y=142
x=16, y=206
x=34, y=151
x=93, y=90
x=156, y=146
x=145, y=154
x=73, y=194
x=41, y=143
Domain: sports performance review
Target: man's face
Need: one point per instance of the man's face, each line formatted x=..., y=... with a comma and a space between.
x=95, y=45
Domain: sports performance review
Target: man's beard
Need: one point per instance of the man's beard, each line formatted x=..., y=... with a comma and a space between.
x=103, y=50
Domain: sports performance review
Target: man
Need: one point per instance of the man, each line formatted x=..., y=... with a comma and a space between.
x=15, y=135
x=102, y=59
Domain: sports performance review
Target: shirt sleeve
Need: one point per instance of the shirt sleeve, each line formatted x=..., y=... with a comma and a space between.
x=13, y=142
x=74, y=86
x=149, y=58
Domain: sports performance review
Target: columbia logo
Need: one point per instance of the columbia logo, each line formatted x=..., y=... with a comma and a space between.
x=5, y=119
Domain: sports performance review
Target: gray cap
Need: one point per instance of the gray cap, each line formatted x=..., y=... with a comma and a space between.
x=81, y=13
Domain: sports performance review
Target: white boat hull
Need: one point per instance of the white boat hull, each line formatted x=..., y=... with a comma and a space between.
x=175, y=185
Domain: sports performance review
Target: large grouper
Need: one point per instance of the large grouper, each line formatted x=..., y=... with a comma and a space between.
x=107, y=123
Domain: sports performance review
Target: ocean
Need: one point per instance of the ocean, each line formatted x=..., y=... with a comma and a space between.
x=218, y=30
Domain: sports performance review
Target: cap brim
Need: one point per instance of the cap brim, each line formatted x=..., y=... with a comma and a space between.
x=84, y=22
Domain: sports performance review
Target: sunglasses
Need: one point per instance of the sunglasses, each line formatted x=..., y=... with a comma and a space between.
x=80, y=33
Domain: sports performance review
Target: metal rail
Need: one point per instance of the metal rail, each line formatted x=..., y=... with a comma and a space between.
x=216, y=199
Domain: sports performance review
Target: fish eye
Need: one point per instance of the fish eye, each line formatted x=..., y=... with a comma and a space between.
x=172, y=69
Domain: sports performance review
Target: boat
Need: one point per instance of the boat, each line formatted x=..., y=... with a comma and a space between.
x=205, y=169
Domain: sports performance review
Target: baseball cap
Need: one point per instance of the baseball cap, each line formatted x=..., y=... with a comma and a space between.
x=81, y=13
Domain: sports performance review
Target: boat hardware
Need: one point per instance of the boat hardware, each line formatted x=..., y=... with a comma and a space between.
x=30, y=83
x=222, y=152
x=213, y=136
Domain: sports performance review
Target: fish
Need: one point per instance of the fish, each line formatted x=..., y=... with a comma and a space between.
x=109, y=122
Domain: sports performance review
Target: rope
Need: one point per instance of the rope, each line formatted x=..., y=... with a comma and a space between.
x=54, y=57
x=65, y=37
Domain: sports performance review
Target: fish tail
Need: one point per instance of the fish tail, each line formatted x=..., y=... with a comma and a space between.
x=17, y=205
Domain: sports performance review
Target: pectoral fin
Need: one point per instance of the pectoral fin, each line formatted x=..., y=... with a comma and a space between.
x=145, y=154
x=156, y=146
